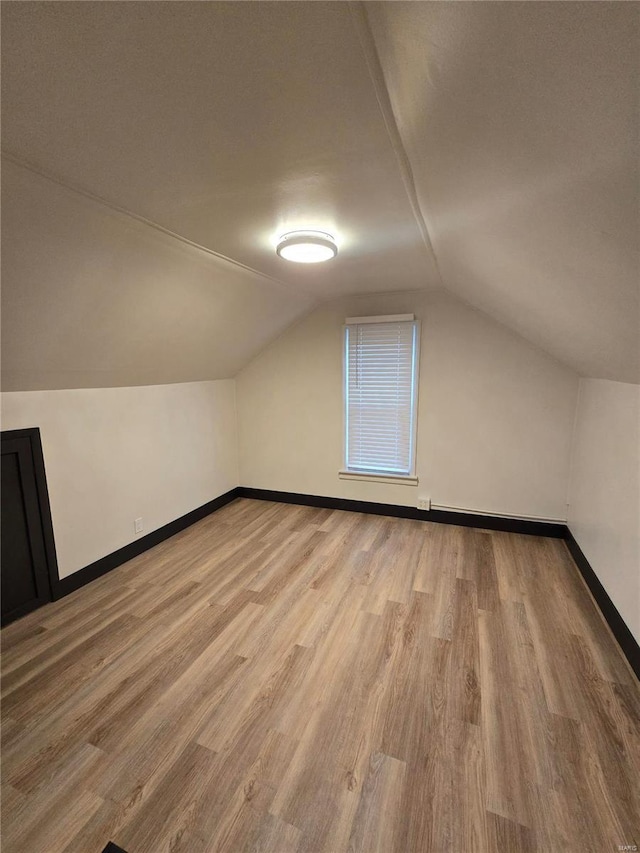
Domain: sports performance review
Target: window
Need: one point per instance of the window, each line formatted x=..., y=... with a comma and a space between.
x=380, y=387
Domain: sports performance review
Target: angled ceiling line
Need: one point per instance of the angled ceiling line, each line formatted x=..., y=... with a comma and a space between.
x=374, y=67
x=25, y=164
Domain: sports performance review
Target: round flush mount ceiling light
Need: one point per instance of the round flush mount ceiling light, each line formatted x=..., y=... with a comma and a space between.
x=307, y=247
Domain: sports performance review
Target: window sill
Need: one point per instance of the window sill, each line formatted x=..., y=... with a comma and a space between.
x=396, y=479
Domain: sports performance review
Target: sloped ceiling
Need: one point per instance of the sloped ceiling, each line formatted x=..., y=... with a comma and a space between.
x=520, y=121
x=484, y=147
x=227, y=123
x=93, y=298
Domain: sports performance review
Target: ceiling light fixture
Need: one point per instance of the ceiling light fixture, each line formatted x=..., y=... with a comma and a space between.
x=307, y=247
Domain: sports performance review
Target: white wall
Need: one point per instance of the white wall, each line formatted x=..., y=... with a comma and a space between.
x=494, y=424
x=604, y=493
x=116, y=454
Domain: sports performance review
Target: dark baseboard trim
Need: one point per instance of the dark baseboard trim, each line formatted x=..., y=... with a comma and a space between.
x=464, y=519
x=95, y=570
x=71, y=583
x=621, y=632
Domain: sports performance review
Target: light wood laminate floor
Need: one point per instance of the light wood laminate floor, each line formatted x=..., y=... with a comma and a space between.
x=280, y=678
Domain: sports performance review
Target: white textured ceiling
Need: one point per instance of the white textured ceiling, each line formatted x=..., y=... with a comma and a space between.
x=510, y=129
x=520, y=121
x=227, y=123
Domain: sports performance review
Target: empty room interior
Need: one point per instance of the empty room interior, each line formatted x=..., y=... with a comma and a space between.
x=320, y=427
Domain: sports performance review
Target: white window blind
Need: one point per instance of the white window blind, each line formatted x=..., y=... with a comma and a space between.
x=380, y=396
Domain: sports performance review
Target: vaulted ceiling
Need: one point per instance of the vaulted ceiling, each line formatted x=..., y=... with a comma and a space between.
x=487, y=148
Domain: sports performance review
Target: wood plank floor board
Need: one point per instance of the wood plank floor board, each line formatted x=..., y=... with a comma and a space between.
x=535, y=719
x=59, y=626
x=616, y=766
x=102, y=827
x=108, y=688
x=469, y=830
x=170, y=810
x=154, y=742
x=446, y=567
x=33, y=699
x=511, y=581
x=508, y=763
x=105, y=715
x=288, y=679
x=464, y=700
x=55, y=812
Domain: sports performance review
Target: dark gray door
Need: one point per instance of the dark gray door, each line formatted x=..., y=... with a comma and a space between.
x=25, y=571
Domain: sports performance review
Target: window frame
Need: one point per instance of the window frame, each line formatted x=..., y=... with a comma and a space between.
x=347, y=473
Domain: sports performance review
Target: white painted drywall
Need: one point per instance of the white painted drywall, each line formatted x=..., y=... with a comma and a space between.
x=495, y=414
x=93, y=298
x=116, y=454
x=604, y=492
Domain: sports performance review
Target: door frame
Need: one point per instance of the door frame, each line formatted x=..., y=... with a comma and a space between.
x=42, y=495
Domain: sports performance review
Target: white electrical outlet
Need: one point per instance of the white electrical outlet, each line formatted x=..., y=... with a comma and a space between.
x=137, y=525
x=424, y=503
